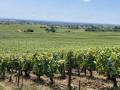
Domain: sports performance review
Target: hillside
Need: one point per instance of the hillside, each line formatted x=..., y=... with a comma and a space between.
x=12, y=41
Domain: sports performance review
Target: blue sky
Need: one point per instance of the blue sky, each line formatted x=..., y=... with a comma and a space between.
x=89, y=11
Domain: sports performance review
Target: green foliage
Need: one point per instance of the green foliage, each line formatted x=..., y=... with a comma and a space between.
x=74, y=27
x=90, y=58
x=52, y=29
x=14, y=62
x=61, y=63
x=38, y=67
x=12, y=42
x=29, y=30
x=104, y=61
x=68, y=31
x=47, y=29
x=106, y=29
x=108, y=62
x=2, y=88
x=42, y=27
x=69, y=59
x=27, y=65
x=3, y=65
x=61, y=68
x=78, y=62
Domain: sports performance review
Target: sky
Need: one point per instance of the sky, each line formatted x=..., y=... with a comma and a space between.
x=84, y=11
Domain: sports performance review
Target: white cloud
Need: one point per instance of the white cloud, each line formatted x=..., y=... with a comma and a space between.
x=86, y=0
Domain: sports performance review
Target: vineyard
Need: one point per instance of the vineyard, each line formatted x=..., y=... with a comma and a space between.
x=60, y=60
x=59, y=45
x=105, y=62
x=12, y=41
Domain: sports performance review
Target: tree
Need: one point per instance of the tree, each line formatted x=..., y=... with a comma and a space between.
x=52, y=29
x=69, y=27
x=76, y=27
x=47, y=29
x=29, y=30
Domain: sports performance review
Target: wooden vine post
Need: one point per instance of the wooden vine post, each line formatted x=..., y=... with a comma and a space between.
x=79, y=84
x=70, y=72
x=63, y=76
x=19, y=73
x=85, y=66
x=70, y=69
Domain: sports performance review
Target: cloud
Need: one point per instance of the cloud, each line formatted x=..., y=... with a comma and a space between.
x=86, y=0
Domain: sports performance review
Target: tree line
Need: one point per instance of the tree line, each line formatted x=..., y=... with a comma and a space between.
x=103, y=29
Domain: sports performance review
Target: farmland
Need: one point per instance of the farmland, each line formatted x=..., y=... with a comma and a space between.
x=51, y=59
x=59, y=45
x=12, y=41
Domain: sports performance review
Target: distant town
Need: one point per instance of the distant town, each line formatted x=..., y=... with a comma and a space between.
x=61, y=25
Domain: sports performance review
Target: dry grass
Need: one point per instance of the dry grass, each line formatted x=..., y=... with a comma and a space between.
x=97, y=82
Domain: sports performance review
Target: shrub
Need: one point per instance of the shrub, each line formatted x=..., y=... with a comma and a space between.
x=42, y=27
x=52, y=30
x=68, y=31
x=47, y=29
x=29, y=30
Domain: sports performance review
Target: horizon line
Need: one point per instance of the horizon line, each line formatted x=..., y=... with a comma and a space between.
x=59, y=21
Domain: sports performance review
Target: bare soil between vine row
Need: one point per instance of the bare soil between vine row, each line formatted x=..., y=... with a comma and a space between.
x=97, y=82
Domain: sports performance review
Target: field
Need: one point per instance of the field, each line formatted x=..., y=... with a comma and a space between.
x=12, y=41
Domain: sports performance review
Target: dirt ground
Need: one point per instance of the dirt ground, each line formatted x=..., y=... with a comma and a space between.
x=97, y=82
x=19, y=30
